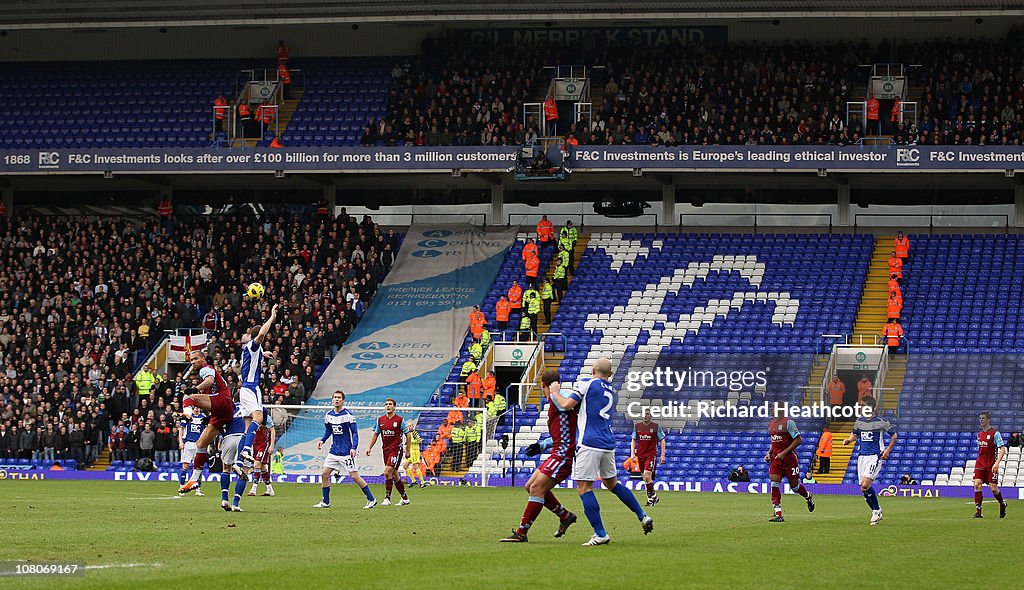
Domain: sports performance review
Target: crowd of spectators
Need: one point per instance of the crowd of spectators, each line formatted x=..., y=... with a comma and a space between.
x=83, y=300
x=968, y=92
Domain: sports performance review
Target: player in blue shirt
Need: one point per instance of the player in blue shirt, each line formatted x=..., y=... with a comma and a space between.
x=870, y=430
x=340, y=426
x=189, y=430
x=230, y=444
x=595, y=448
x=250, y=397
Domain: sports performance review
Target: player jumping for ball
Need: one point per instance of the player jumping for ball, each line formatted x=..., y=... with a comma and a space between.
x=250, y=397
x=783, y=461
x=217, y=403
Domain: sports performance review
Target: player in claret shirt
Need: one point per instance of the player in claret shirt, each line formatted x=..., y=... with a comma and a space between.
x=644, y=446
x=783, y=461
x=555, y=469
x=396, y=441
x=986, y=468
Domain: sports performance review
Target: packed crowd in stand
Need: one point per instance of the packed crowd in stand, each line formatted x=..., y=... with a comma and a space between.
x=83, y=301
x=969, y=92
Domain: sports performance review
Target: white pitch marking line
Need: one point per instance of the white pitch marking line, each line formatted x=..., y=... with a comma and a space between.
x=107, y=566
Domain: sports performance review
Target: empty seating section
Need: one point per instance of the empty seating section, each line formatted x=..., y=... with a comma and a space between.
x=116, y=104
x=717, y=302
x=168, y=103
x=945, y=392
x=965, y=294
x=339, y=97
x=962, y=300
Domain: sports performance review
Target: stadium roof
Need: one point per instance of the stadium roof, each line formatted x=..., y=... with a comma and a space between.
x=78, y=13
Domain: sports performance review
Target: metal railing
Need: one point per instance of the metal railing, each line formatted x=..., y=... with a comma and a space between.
x=830, y=368
x=243, y=77
x=755, y=216
x=931, y=217
x=512, y=410
x=231, y=125
x=881, y=374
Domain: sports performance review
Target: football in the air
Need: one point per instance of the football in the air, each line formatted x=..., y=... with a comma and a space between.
x=255, y=291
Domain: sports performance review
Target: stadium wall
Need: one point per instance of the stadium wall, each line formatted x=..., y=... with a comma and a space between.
x=374, y=39
x=10, y=477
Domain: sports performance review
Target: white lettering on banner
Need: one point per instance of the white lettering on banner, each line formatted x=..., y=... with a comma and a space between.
x=500, y=159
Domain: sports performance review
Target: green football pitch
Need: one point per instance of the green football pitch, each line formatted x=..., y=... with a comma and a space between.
x=134, y=535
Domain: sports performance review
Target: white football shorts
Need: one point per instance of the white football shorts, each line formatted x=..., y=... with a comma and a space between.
x=868, y=466
x=229, y=448
x=593, y=464
x=188, y=454
x=250, y=401
x=341, y=464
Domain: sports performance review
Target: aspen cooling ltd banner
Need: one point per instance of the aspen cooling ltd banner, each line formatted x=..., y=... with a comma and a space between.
x=584, y=158
x=408, y=339
x=404, y=346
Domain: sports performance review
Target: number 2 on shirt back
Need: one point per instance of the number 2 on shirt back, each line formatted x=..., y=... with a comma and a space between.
x=605, y=411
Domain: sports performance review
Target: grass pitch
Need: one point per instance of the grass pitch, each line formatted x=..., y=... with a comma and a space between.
x=139, y=535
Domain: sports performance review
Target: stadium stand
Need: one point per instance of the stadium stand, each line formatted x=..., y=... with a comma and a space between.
x=602, y=301
x=606, y=307
x=103, y=291
x=340, y=96
x=143, y=103
x=740, y=93
x=962, y=300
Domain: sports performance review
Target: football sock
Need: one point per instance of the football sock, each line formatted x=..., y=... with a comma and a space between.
x=552, y=504
x=800, y=489
x=367, y=493
x=225, y=481
x=777, y=497
x=626, y=496
x=250, y=434
x=327, y=495
x=650, y=490
x=266, y=477
x=872, y=498
x=999, y=498
x=400, y=485
x=182, y=474
x=593, y=511
x=387, y=488
x=239, y=490
x=977, y=500
x=533, y=508
x=197, y=465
